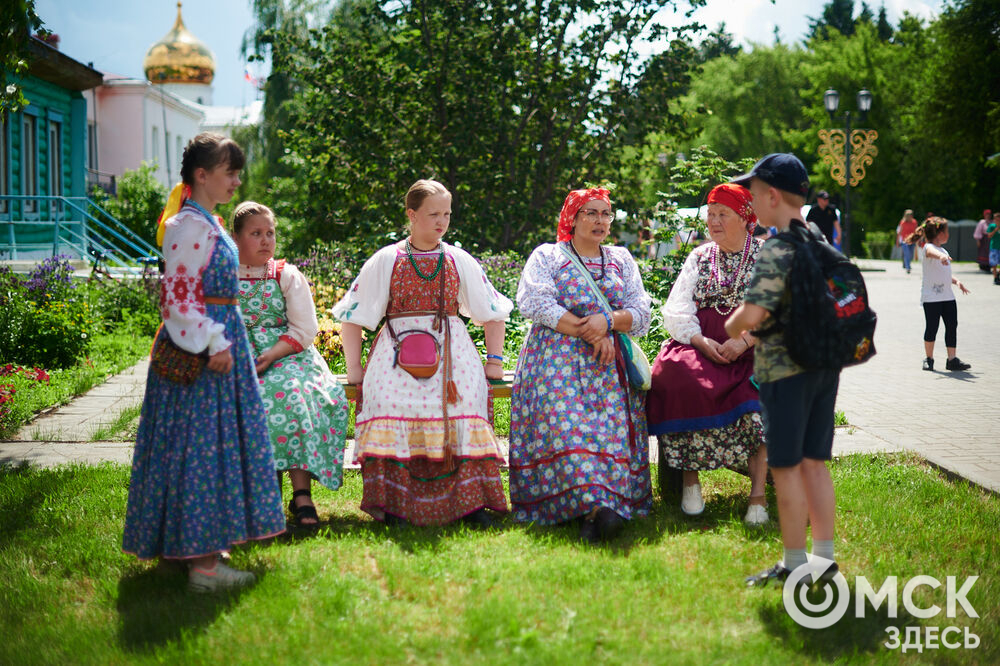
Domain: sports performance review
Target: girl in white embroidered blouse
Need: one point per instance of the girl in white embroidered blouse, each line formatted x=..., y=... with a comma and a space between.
x=203, y=472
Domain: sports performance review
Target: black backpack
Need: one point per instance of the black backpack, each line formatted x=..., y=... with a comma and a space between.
x=830, y=324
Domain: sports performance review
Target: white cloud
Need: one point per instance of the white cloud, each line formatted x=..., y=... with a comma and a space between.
x=753, y=21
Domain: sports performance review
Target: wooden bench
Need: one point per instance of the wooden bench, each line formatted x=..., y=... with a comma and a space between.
x=501, y=387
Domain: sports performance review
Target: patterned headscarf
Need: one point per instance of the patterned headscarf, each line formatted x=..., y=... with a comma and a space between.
x=738, y=198
x=574, y=201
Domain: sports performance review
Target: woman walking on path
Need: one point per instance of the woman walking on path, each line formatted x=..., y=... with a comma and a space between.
x=203, y=471
x=307, y=411
x=936, y=295
x=904, y=230
x=983, y=241
x=427, y=450
x=702, y=406
x=578, y=441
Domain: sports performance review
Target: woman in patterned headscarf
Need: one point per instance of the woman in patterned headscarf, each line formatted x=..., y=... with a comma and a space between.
x=702, y=406
x=578, y=442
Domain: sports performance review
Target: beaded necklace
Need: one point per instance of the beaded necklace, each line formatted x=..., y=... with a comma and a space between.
x=726, y=287
x=599, y=249
x=440, y=262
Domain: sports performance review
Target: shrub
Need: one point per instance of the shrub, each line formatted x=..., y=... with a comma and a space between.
x=139, y=201
x=878, y=244
x=329, y=346
x=59, y=334
x=14, y=308
x=132, y=303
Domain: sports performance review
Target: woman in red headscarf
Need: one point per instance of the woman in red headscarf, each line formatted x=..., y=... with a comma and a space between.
x=702, y=406
x=578, y=442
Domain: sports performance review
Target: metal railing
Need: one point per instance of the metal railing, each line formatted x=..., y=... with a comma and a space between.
x=33, y=225
x=106, y=181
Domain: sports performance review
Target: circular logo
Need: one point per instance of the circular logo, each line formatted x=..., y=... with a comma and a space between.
x=811, y=615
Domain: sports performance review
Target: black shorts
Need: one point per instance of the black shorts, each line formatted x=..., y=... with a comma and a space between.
x=798, y=417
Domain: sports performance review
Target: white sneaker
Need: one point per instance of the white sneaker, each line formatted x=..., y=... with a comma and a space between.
x=691, y=501
x=222, y=577
x=756, y=515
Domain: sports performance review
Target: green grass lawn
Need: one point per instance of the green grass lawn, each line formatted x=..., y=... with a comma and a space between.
x=670, y=590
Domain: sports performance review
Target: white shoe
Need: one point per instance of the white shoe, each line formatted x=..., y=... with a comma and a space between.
x=756, y=515
x=221, y=577
x=691, y=501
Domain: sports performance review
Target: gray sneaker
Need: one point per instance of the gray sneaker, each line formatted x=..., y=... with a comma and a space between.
x=222, y=577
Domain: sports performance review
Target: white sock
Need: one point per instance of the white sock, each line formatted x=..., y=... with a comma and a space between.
x=794, y=558
x=823, y=548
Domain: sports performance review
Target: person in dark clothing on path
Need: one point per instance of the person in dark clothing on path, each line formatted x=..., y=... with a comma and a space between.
x=826, y=218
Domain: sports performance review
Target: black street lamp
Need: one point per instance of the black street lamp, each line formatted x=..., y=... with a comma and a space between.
x=836, y=152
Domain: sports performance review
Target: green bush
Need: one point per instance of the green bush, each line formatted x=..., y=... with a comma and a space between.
x=131, y=302
x=60, y=333
x=878, y=244
x=13, y=313
x=139, y=201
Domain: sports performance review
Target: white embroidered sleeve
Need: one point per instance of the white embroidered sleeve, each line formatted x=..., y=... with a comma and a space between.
x=680, y=313
x=188, y=241
x=299, y=307
x=537, y=297
x=477, y=299
x=367, y=298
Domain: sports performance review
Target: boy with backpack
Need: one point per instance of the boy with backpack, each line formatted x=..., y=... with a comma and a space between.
x=797, y=403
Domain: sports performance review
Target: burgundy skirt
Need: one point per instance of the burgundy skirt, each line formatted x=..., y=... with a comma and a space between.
x=690, y=392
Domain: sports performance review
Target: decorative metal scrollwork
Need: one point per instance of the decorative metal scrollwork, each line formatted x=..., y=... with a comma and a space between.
x=863, y=152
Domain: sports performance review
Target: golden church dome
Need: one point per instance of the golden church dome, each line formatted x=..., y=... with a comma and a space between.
x=179, y=57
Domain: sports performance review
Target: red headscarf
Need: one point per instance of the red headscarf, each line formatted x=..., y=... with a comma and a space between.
x=738, y=198
x=574, y=201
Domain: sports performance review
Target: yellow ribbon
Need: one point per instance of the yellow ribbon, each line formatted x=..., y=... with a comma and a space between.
x=175, y=200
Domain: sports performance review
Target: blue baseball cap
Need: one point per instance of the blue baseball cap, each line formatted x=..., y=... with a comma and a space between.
x=782, y=170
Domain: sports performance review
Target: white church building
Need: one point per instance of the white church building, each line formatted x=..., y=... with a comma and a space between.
x=131, y=121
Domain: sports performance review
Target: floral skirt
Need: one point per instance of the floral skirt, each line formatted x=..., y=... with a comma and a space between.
x=578, y=440
x=428, y=492
x=728, y=446
x=203, y=470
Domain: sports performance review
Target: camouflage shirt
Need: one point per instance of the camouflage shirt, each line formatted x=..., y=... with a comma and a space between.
x=767, y=289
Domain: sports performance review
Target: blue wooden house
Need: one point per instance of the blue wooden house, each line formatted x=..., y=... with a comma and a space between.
x=44, y=209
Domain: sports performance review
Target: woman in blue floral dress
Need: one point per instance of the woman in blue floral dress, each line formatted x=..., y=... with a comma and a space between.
x=307, y=411
x=578, y=442
x=203, y=471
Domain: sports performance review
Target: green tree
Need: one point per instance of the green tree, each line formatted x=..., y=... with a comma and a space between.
x=271, y=17
x=138, y=202
x=716, y=44
x=751, y=102
x=838, y=15
x=509, y=104
x=960, y=103
x=883, y=26
x=17, y=21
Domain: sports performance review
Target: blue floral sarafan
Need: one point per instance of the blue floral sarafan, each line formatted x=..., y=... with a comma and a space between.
x=571, y=447
x=203, y=470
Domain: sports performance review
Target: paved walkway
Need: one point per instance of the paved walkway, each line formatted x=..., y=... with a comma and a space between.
x=949, y=418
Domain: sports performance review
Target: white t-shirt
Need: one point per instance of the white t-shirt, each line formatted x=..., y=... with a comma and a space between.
x=937, y=277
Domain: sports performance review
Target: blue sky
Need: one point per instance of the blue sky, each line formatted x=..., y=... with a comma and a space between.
x=115, y=34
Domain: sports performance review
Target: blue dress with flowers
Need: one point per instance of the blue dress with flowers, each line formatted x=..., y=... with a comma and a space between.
x=203, y=469
x=572, y=446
